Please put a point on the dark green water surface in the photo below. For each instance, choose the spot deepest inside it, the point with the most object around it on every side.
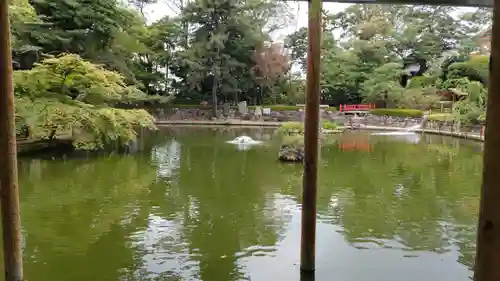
(191, 207)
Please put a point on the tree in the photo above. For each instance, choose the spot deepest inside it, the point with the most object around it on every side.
(340, 77)
(220, 50)
(80, 27)
(383, 86)
(151, 64)
(219, 59)
(67, 95)
(271, 63)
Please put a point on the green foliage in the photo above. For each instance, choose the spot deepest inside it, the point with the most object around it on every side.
(475, 69)
(291, 128)
(384, 84)
(441, 117)
(297, 128)
(365, 64)
(21, 13)
(70, 96)
(472, 108)
(423, 81)
(397, 112)
(295, 141)
(81, 27)
(330, 125)
(221, 50)
(419, 98)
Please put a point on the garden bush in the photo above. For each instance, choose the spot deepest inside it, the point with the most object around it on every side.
(330, 125)
(291, 128)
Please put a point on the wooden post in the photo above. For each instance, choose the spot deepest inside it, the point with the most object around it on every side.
(9, 197)
(488, 238)
(311, 139)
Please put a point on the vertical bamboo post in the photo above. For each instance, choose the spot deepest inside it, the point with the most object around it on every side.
(311, 141)
(9, 197)
(488, 237)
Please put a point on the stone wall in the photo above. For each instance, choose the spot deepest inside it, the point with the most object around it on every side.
(405, 122)
(188, 114)
(195, 114)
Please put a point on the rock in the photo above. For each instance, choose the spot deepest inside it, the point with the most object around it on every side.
(291, 154)
(246, 116)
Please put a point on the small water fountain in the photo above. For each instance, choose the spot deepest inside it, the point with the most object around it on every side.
(244, 142)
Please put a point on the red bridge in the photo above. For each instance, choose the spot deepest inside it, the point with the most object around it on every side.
(356, 107)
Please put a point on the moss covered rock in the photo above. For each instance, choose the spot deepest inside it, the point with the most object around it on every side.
(289, 153)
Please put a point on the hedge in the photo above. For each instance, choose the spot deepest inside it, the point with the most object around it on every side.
(441, 117)
(397, 112)
(272, 107)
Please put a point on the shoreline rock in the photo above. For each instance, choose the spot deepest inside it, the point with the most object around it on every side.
(289, 153)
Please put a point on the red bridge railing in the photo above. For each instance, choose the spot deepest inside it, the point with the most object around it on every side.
(355, 107)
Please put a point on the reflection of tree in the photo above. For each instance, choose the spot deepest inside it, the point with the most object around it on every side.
(226, 214)
(167, 158)
(215, 209)
(433, 181)
(413, 197)
(73, 214)
(111, 219)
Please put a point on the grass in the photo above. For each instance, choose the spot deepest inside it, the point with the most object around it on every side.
(290, 128)
(397, 112)
(441, 117)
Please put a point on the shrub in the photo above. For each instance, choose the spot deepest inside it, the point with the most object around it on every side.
(397, 112)
(330, 125)
(289, 128)
(293, 141)
(441, 117)
(69, 96)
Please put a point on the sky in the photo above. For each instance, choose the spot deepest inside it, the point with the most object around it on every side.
(298, 9)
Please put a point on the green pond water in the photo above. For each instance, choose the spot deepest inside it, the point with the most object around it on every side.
(190, 206)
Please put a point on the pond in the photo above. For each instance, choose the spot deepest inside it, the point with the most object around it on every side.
(189, 206)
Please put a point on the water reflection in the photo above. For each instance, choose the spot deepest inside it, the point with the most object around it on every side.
(194, 208)
(167, 157)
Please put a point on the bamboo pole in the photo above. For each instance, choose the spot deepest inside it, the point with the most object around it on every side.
(311, 142)
(9, 197)
(487, 266)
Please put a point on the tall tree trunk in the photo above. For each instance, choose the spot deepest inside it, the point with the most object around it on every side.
(214, 96)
